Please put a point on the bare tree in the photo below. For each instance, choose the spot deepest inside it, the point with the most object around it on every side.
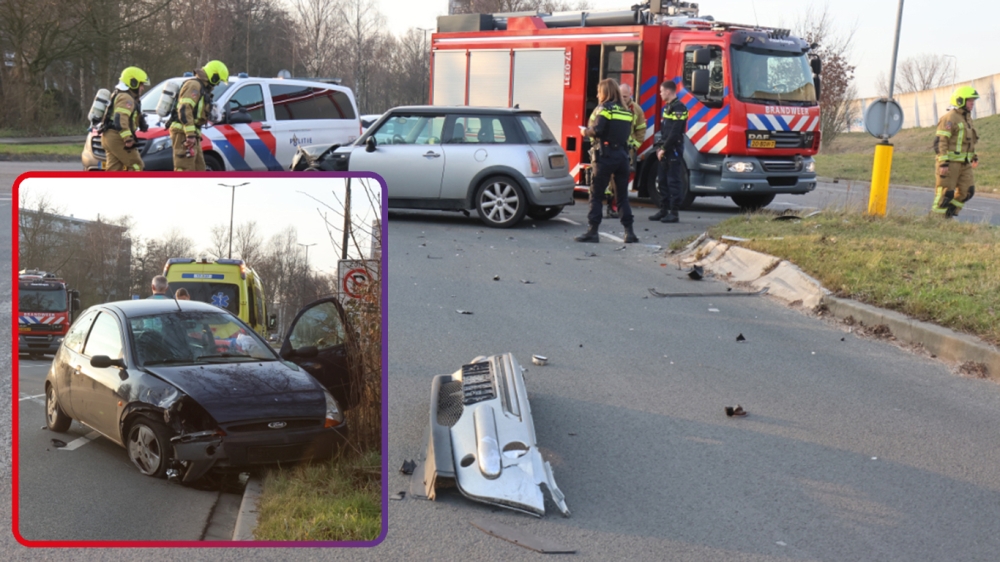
(248, 241)
(834, 50)
(320, 28)
(219, 242)
(922, 72)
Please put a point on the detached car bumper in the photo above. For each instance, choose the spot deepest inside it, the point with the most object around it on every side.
(204, 451)
(550, 192)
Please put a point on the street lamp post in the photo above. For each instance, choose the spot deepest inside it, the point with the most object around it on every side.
(306, 246)
(232, 205)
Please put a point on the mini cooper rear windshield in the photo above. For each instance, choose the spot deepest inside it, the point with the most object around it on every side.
(536, 129)
(179, 338)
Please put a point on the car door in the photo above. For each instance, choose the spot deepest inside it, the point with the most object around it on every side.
(407, 155)
(69, 360)
(473, 143)
(306, 114)
(95, 391)
(322, 324)
(246, 146)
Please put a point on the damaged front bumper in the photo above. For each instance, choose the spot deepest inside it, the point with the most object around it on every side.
(482, 436)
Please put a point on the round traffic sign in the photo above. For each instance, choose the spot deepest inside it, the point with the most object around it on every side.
(355, 282)
(875, 118)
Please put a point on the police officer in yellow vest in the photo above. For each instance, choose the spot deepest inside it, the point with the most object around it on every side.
(192, 113)
(122, 118)
(955, 146)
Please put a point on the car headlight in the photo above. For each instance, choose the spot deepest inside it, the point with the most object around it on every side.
(740, 167)
(334, 416)
(811, 166)
(159, 144)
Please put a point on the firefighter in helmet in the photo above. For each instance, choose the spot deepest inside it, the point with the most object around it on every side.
(122, 118)
(193, 107)
(955, 146)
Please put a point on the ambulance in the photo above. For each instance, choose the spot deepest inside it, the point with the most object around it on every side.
(751, 92)
(227, 283)
(257, 124)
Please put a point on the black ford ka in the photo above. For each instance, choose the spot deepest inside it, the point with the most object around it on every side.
(187, 387)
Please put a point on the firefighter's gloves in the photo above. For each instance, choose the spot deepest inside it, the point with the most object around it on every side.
(975, 161)
(143, 126)
(129, 143)
(943, 169)
(189, 142)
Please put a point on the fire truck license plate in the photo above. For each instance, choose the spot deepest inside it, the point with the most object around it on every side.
(762, 144)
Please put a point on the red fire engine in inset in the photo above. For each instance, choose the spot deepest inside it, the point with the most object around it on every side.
(45, 307)
(751, 92)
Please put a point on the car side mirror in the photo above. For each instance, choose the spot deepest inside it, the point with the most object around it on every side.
(817, 81)
(699, 82)
(272, 320)
(370, 144)
(238, 118)
(817, 66)
(702, 56)
(75, 304)
(103, 362)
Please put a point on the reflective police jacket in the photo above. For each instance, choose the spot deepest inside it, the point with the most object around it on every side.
(673, 126)
(613, 126)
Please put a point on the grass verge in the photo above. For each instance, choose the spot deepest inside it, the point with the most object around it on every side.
(851, 156)
(945, 272)
(25, 151)
(339, 500)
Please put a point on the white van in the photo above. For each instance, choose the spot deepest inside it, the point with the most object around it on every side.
(258, 123)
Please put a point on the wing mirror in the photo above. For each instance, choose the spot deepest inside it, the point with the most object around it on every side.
(817, 66)
(103, 362)
(699, 82)
(702, 56)
(370, 144)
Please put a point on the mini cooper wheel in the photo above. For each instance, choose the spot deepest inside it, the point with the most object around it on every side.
(55, 418)
(149, 447)
(500, 202)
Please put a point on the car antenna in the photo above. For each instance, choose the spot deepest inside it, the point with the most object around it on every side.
(177, 303)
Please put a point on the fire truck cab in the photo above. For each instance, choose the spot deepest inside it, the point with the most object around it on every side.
(751, 92)
(44, 312)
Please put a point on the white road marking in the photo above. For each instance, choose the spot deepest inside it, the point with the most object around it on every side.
(613, 237)
(35, 398)
(80, 441)
(571, 221)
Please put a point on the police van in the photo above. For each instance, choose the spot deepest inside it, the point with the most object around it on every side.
(227, 283)
(257, 124)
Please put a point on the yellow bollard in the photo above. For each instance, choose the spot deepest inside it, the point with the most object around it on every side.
(879, 193)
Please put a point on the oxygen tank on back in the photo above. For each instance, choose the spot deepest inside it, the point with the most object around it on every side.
(101, 101)
(166, 103)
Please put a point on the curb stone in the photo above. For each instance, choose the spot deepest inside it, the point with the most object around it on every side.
(246, 521)
(788, 283)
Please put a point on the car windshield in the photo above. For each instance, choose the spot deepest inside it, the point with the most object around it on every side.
(773, 77)
(222, 295)
(186, 338)
(409, 129)
(537, 131)
(41, 301)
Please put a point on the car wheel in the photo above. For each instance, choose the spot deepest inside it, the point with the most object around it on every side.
(649, 170)
(500, 202)
(750, 203)
(55, 418)
(149, 447)
(654, 192)
(544, 213)
(214, 164)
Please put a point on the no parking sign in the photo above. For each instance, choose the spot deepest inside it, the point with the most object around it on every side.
(355, 278)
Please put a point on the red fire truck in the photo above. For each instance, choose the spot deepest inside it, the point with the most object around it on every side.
(45, 306)
(751, 92)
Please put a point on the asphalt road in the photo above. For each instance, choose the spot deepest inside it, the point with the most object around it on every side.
(853, 450)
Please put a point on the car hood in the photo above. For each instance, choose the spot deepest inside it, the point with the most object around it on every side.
(247, 391)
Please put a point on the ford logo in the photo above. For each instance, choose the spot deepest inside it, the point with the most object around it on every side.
(276, 425)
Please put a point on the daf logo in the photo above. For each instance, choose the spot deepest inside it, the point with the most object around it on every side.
(758, 136)
(276, 425)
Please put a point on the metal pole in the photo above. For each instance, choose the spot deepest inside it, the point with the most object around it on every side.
(306, 246)
(347, 221)
(232, 206)
(892, 70)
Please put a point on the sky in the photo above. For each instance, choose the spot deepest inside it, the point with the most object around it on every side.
(875, 21)
(194, 206)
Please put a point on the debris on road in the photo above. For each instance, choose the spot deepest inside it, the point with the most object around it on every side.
(735, 239)
(974, 370)
(787, 218)
(539, 360)
(658, 294)
(430, 257)
(740, 338)
(398, 496)
(408, 467)
(482, 438)
(813, 214)
(520, 538)
(620, 249)
(464, 311)
(496, 277)
(737, 411)
(58, 444)
(527, 282)
(713, 310)
(696, 273)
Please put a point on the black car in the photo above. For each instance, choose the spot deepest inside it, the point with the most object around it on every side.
(187, 387)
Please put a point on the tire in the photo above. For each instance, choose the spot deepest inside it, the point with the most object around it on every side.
(749, 203)
(654, 193)
(55, 418)
(544, 213)
(649, 170)
(497, 215)
(148, 446)
(214, 164)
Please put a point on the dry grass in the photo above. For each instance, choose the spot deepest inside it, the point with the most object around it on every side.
(851, 156)
(946, 272)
